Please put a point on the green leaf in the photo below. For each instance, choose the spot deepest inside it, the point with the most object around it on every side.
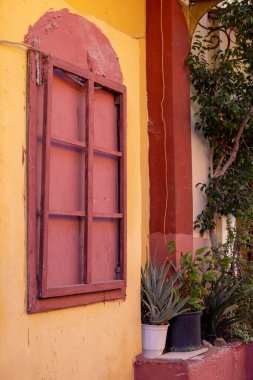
(194, 275)
(186, 259)
(224, 263)
(196, 304)
(199, 251)
(210, 275)
(205, 260)
(171, 246)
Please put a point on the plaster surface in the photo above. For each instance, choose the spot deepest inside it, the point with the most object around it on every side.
(65, 344)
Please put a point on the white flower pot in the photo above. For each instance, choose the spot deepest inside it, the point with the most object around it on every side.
(153, 340)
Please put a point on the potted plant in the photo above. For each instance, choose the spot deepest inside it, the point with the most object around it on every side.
(160, 302)
(228, 312)
(196, 273)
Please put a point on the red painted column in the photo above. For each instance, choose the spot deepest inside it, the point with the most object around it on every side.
(168, 78)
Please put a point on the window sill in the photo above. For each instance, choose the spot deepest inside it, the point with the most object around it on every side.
(40, 305)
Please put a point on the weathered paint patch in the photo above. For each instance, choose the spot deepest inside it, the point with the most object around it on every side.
(74, 39)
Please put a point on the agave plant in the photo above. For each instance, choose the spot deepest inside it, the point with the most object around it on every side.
(160, 299)
(221, 304)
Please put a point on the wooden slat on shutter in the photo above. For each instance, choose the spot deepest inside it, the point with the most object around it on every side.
(44, 207)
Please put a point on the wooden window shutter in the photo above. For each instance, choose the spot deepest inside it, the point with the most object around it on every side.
(76, 186)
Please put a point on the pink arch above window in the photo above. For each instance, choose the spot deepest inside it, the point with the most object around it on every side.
(73, 38)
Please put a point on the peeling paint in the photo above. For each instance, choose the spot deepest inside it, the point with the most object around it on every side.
(71, 37)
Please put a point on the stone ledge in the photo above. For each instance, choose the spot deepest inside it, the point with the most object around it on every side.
(173, 356)
(231, 362)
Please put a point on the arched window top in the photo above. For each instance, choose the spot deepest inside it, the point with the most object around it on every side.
(74, 39)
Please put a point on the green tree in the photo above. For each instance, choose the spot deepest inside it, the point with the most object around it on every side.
(223, 83)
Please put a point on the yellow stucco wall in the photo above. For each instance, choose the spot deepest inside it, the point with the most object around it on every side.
(95, 342)
(126, 16)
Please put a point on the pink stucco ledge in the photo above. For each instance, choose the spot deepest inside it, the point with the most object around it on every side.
(231, 362)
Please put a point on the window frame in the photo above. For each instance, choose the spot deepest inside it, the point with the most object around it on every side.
(40, 297)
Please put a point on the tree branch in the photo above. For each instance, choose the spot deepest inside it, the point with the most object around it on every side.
(213, 237)
(233, 154)
(211, 161)
(217, 172)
